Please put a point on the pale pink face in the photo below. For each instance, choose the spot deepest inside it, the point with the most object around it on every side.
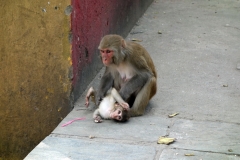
(106, 55)
(117, 115)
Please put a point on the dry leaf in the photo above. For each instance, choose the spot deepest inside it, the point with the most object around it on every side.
(136, 40)
(189, 154)
(159, 32)
(172, 115)
(225, 85)
(165, 140)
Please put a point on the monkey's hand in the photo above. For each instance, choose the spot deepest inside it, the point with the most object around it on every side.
(98, 119)
(86, 101)
(125, 105)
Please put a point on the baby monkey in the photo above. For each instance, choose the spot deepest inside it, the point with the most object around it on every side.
(112, 106)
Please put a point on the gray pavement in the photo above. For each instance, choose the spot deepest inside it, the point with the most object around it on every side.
(196, 56)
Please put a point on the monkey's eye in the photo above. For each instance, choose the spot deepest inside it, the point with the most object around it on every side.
(119, 117)
(108, 51)
(119, 112)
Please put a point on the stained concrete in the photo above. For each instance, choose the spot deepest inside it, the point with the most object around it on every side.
(34, 63)
(195, 47)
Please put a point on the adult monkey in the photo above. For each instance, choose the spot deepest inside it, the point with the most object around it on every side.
(129, 69)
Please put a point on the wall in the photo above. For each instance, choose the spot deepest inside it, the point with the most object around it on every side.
(40, 78)
(34, 64)
(91, 20)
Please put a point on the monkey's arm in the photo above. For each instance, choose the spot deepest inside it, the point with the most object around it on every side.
(96, 116)
(90, 93)
(119, 99)
(105, 84)
(134, 85)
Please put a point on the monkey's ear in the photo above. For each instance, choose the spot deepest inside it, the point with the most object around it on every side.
(124, 43)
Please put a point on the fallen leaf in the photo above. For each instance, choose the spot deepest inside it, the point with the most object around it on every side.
(172, 115)
(189, 154)
(159, 32)
(225, 85)
(230, 150)
(165, 140)
(136, 40)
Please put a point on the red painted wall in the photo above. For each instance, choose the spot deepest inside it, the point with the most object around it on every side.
(91, 20)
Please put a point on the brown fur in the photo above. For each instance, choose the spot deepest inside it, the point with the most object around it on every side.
(143, 85)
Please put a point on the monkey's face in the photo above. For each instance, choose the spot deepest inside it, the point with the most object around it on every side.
(107, 56)
(117, 114)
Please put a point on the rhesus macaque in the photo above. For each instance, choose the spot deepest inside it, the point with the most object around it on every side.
(108, 108)
(129, 69)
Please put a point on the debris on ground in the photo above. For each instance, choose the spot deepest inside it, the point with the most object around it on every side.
(91, 137)
(136, 40)
(225, 85)
(172, 115)
(165, 140)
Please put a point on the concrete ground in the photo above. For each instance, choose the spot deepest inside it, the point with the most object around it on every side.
(195, 46)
